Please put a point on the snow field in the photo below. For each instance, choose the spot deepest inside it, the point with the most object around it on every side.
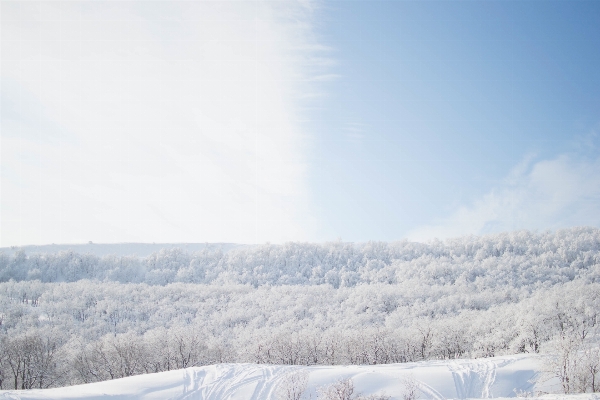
(456, 379)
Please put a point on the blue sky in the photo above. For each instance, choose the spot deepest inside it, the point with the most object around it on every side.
(438, 102)
(267, 122)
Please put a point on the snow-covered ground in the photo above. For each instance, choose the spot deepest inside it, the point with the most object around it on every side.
(457, 379)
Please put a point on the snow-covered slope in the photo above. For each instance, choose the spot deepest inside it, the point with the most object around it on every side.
(456, 379)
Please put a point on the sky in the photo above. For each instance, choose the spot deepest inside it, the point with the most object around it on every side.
(254, 122)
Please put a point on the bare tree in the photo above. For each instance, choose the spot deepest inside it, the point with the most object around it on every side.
(3, 354)
(111, 357)
(343, 389)
(563, 362)
(292, 386)
(31, 360)
(189, 348)
(374, 397)
(587, 369)
(411, 388)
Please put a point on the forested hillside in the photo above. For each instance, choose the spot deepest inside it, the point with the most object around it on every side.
(69, 318)
(512, 259)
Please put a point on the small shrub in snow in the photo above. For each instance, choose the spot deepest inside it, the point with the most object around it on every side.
(411, 388)
(522, 394)
(292, 386)
(374, 397)
(343, 389)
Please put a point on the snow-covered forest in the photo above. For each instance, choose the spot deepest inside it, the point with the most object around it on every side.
(70, 318)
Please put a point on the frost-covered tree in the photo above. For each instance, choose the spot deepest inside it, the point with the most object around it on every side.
(292, 386)
(343, 389)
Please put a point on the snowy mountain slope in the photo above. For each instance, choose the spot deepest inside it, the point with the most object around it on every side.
(477, 378)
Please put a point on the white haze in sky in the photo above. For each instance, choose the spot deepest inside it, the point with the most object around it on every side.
(543, 194)
(155, 121)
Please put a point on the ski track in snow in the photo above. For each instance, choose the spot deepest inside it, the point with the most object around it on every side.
(227, 380)
(489, 378)
(474, 379)
(430, 391)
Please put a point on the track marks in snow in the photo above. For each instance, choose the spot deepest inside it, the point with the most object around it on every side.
(9, 396)
(266, 387)
(473, 379)
(429, 391)
(192, 379)
(230, 381)
(489, 378)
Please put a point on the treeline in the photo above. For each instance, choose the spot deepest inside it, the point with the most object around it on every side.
(64, 344)
(519, 258)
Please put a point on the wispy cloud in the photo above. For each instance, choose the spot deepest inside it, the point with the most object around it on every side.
(355, 131)
(542, 194)
(325, 78)
(168, 121)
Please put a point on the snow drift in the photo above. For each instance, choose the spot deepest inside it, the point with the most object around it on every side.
(507, 376)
